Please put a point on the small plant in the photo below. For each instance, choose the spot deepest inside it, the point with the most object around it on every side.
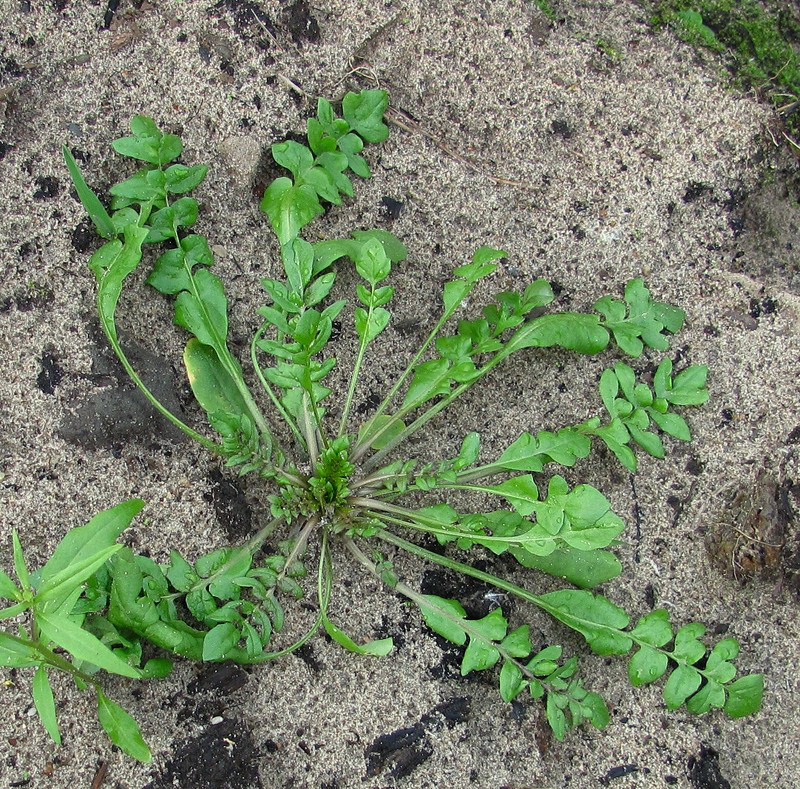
(341, 488)
(65, 600)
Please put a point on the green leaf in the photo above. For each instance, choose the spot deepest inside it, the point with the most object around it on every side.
(439, 613)
(139, 188)
(212, 385)
(682, 683)
(364, 112)
(370, 325)
(95, 209)
(16, 655)
(378, 648)
(689, 386)
(609, 389)
(325, 113)
(82, 644)
(293, 156)
(518, 642)
(121, 728)
(727, 649)
(646, 665)
(165, 222)
(672, 424)
(45, 703)
(744, 696)
(323, 183)
(543, 662)
(529, 453)
(481, 265)
(350, 145)
(597, 619)
(181, 179)
(8, 588)
(649, 442)
(318, 289)
(654, 628)
(19, 562)
(521, 492)
(58, 587)
(585, 569)
(556, 717)
(172, 270)
(145, 148)
(81, 542)
(394, 248)
(712, 694)
(289, 208)
(220, 640)
(687, 646)
(13, 610)
(615, 436)
(431, 378)
(484, 255)
(372, 262)
(397, 427)
(538, 294)
(480, 653)
(454, 293)
(200, 603)
(148, 143)
(511, 681)
(640, 321)
(206, 314)
(570, 330)
(298, 262)
(111, 268)
(157, 668)
(597, 709)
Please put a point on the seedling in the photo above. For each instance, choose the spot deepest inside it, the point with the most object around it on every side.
(342, 488)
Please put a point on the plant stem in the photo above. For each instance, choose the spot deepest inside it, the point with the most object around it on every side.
(367, 440)
(351, 390)
(311, 433)
(324, 579)
(318, 419)
(270, 391)
(162, 409)
(413, 520)
(422, 602)
(220, 345)
(56, 661)
(530, 597)
(265, 656)
(373, 479)
(422, 420)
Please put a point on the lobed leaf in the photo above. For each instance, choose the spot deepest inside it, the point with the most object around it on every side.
(639, 321)
(364, 113)
(289, 208)
(597, 619)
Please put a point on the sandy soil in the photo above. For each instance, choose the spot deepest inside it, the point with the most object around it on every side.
(641, 164)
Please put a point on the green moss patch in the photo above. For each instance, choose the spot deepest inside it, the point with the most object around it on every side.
(759, 40)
